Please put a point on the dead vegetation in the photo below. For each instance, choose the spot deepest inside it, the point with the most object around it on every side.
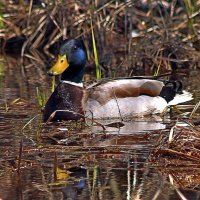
(180, 147)
(133, 37)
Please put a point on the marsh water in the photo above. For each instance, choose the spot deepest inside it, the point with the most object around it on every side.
(81, 160)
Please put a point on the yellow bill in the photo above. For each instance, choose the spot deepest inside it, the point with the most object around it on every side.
(60, 66)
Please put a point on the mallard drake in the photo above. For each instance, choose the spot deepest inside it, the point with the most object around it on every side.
(128, 97)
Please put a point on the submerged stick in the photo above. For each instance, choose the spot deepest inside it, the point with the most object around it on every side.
(194, 109)
(55, 166)
(83, 116)
(20, 157)
(117, 105)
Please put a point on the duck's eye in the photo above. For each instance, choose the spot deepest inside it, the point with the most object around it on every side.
(75, 48)
(62, 61)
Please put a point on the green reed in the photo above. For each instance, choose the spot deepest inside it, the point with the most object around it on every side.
(98, 70)
(191, 7)
(41, 97)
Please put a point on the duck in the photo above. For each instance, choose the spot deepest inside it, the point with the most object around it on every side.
(108, 98)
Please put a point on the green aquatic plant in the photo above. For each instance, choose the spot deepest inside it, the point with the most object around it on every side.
(1, 68)
(53, 84)
(98, 70)
(191, 6)
(1, 16)
(1, 21)
(41, 97)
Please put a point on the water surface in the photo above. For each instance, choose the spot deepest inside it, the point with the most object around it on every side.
(78, 161)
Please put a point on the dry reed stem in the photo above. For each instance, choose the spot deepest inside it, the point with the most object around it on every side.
(150, 50)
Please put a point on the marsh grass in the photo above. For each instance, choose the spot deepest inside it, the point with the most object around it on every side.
(181, 145)
(159, 44)
(53, 84)
(41, 97)
(195, 109)
(1, 21)
(191, 7)
(127, 40)
(118, 54)
(97, 67)
(1, 16)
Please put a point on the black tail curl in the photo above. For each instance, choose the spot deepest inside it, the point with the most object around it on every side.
(170, 90)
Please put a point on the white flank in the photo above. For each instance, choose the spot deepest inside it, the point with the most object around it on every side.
(72, 83)
(126, 107)
(181, 98)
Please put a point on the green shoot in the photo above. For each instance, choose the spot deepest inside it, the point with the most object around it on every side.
(1, 17)
(1, 22)
(41, 97)
(98, 70)
(191, 7)
(53, 84)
